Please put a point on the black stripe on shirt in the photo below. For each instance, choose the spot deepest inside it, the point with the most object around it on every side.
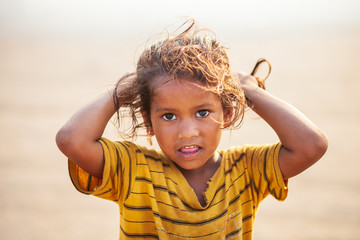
(252, 170)
(182, 222)
(147, 156)
(139, 235)
(88, 182)
(233, 234)
(277, 179)
(130, 170)
(235, 163)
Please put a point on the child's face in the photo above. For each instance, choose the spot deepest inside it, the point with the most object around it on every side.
(186, 121)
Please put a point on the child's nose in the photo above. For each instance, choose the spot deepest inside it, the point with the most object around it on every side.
(188, 128)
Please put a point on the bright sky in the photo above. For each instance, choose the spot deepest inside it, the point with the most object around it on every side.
(88, 16)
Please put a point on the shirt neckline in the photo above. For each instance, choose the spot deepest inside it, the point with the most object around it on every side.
(186, 192)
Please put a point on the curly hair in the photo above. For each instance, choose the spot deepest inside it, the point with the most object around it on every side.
(194, 54)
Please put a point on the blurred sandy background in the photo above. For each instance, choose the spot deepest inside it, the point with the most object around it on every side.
(57, 55)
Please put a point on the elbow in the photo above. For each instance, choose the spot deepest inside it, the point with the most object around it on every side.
(324, 144)
(64, 140)
(317, 148)
(321, 145)
(309, 153)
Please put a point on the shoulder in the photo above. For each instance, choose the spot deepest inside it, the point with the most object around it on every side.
(153, 157)
(249, 149)
(127, 149)
(249, 153)
(125, 146)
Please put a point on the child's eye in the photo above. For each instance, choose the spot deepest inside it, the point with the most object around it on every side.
(169, 117)
(202, 113)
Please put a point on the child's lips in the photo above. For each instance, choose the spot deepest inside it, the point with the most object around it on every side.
(189, 150)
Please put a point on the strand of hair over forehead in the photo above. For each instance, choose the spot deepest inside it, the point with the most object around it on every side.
(193, 53)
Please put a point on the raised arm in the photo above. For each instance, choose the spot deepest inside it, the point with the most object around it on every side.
(77, 139)
(303, 142)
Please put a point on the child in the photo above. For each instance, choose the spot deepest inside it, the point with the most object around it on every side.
(185, 93)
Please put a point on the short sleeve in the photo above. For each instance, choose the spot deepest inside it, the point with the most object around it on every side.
(117, 174)
(263, 166)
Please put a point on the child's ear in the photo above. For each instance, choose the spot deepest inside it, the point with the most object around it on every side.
(147, 122)
(228, 115)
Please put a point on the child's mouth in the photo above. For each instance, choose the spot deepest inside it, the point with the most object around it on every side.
(189, 150)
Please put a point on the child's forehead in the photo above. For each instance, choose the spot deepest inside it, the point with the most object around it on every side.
(160, 80)
(182, 95)
(166, 82)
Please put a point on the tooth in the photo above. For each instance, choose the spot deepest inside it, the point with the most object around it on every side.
(192, 146)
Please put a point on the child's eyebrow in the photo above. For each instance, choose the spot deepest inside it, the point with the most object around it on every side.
(164, 110)
(205, 105)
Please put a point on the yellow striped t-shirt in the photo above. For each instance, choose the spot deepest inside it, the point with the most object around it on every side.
(156, 201)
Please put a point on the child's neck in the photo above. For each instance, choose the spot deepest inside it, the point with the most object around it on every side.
(198, 178)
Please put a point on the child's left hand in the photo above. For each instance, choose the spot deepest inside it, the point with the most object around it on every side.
(247, 82)
(252, 80)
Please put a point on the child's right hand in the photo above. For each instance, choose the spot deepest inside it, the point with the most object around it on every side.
(124, 90)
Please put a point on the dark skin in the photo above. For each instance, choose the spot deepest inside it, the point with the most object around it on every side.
(196, 178)
(303, 143)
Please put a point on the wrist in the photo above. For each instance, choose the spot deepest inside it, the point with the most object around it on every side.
(250, 90)
(252, 95)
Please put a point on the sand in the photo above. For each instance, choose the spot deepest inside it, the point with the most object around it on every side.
(44, 79)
